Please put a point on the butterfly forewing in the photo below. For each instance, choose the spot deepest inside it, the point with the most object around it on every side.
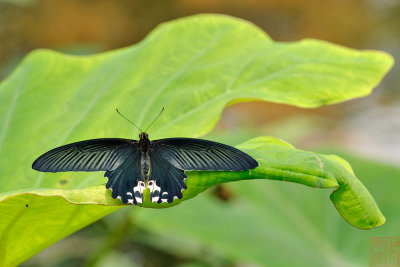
(196, 154)
(89, 155)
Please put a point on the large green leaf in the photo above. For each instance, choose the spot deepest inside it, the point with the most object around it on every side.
(277, 160)
(273, 224)
(194, 67)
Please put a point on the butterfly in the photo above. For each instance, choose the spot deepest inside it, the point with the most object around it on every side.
(131, 166)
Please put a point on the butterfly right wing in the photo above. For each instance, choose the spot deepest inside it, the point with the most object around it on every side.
(171, 157)
(202, 155)
(166, 182)
(90, 155)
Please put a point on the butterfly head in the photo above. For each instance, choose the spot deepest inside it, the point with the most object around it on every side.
(143, 136)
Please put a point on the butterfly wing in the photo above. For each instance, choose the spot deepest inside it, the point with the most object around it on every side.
(166, 181)
(171, 157)
(126, 182)
(118, 157)
(203, 155)
(89, 155)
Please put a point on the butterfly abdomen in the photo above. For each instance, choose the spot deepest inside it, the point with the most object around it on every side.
(144, 164)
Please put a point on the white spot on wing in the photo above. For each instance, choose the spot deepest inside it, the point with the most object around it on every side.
(164, 197)
(138, 190)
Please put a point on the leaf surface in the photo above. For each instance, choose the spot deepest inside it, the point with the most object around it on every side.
(267, 223)
(194, 67)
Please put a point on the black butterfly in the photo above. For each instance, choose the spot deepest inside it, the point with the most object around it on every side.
(132, 166)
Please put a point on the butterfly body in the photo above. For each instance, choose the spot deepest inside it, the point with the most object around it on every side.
(144, 147)
(133, 166)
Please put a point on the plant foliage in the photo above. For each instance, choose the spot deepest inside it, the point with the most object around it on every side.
(194, 67)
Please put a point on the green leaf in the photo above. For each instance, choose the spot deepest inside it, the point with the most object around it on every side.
(277, 160)
(30, 223)
(194, 67)
(351, 198)
(264, 218)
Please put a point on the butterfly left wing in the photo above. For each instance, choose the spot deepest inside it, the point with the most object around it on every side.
(126, 182)
(118, 157)
(89, 155)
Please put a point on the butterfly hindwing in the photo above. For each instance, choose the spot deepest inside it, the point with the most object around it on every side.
(89, 155)
(196, 154)
(166, 182)
(125, 182)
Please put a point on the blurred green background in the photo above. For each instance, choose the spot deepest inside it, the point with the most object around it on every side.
(257, 223)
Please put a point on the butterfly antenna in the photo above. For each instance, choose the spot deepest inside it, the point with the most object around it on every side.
(154, 120)
(128, 120)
